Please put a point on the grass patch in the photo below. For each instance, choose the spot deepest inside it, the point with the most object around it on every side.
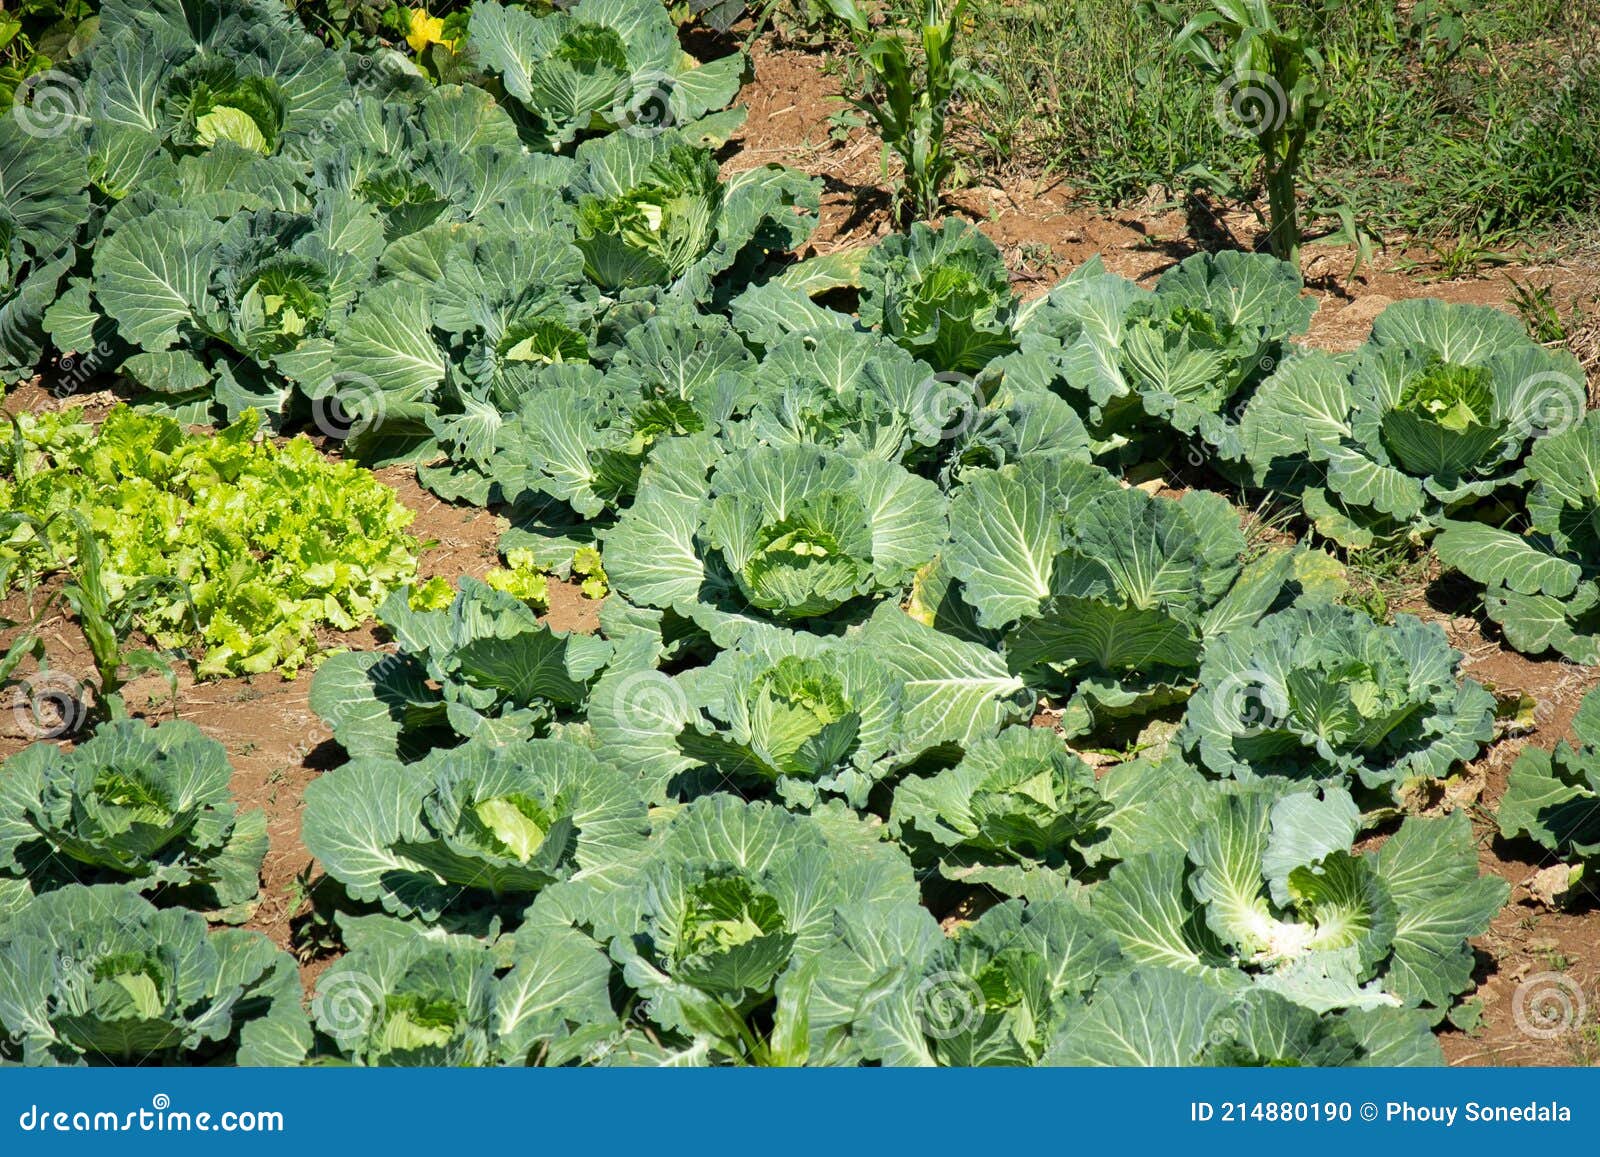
(1474, 121)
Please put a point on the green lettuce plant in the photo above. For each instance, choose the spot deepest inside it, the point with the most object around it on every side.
(243, 547)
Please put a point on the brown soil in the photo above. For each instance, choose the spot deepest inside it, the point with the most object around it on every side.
(278, 745)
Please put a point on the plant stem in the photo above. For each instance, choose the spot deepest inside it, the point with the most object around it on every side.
(1282, 211)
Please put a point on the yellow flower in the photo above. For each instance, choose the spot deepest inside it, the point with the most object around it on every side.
(424, 30)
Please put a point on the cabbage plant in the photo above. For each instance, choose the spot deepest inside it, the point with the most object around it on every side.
(1048, 983)
(1266, 891)
(1433, 415)
(1165, 1017)
(654, 217)
(1185, 357)
(97, 975)
(895, 990)
(600, 65)
(942, 294)
(1015, 814)
(1239, 929)
(789, 713)
(244, 75)
(582, 436)
(1322, 692)
(483, 665)
(404, 995)
(147, 806)
(1099, 590)
(793, 536)
(726, 924)
(481, 825)
(1553, 797)
(1542, 580)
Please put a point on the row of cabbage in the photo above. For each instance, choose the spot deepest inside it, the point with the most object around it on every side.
(546, 905)
(852, 554)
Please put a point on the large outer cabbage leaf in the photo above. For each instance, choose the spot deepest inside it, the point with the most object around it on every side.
(1553, 797)
(43, 200)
